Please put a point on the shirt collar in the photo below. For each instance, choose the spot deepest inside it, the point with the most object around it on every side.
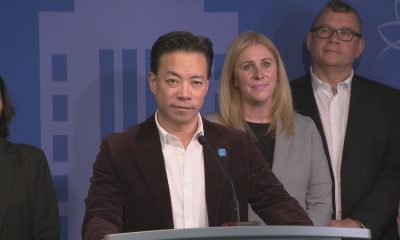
(166, 136)
(317, 83)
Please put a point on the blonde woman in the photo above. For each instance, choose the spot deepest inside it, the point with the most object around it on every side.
(255, 97)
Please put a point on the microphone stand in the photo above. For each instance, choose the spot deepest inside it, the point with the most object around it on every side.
(234, 201)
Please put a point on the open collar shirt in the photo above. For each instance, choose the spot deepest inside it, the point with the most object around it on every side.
(334, 110)
(186, 181)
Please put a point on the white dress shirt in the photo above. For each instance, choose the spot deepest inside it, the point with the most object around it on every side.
(185, 173)
(334, 111)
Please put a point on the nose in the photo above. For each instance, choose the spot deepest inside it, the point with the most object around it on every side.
(258, 73)
(184, 91)
(334, 37)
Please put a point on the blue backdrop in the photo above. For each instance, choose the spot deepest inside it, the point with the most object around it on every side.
(76, 70)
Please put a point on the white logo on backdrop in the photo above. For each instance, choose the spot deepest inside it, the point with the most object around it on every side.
(385, 30)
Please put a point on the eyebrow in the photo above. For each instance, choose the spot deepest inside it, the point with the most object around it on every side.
(262, 59)
(169, 72)
(343, 27)
(175, 74)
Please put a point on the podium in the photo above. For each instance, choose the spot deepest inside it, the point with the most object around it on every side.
(247, 233)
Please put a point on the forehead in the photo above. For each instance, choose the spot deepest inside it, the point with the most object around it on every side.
(338, 20)
(255, 51)
(181, 61)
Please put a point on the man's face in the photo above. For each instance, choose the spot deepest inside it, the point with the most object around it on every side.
(180, 87)
(333, 52)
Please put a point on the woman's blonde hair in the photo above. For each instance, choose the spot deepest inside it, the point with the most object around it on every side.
(230, 100)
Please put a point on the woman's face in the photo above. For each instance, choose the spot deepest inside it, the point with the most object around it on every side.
(256, 74)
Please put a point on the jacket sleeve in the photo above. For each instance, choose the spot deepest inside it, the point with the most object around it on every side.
(45, 219)
(104, 203)
(378, 208)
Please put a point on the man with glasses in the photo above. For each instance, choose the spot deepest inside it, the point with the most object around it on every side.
(359, 121)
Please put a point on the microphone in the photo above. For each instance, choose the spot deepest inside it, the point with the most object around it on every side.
(234, 202)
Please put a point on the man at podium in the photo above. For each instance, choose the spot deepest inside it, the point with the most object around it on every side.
(174, 169)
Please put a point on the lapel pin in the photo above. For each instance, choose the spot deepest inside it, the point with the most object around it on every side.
(222, 152)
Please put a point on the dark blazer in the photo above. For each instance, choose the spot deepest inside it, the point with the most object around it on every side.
(370, 172)
(28, 203)
(129, 188)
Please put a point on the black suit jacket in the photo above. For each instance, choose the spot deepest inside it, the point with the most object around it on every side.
(370, 172)
(28, 203)
(129, 188)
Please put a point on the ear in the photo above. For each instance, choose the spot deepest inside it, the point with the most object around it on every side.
(308, 40)
(360, 47)
(153, 82)
(207, 84)
(234, 83)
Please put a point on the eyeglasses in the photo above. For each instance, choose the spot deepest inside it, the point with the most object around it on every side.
(344, 34)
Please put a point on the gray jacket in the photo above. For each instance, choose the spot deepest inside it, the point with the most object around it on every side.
(301, 166)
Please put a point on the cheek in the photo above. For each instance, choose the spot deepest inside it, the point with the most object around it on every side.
(198, 98)
(242, 85)
(273, 88)
(163, 95)
(242, 79)
(315, 46)
(202, 93)
(272, 72)
(356, 51)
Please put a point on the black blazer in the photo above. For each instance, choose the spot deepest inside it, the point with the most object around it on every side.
(28, 203)
(370, 172)
(129, 188)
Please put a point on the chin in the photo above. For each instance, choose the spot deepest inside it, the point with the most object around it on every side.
(184, 118)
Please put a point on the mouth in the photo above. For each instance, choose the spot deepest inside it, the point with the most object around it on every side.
(332, 51)
(260, 86)
(182, 107)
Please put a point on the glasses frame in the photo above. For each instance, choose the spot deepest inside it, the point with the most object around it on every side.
(337, 31)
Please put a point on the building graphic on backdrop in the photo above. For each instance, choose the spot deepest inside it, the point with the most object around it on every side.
(93, 80)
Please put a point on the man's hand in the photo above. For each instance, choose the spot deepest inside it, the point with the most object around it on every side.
(347, 223)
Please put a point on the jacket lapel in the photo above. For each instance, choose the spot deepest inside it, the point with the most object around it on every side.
(153, 167)
(356, 114)
(308, 105)
(7, 173)
(214, 177)
(282, 144)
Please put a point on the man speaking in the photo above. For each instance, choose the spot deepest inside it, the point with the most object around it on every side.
(156, 175)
